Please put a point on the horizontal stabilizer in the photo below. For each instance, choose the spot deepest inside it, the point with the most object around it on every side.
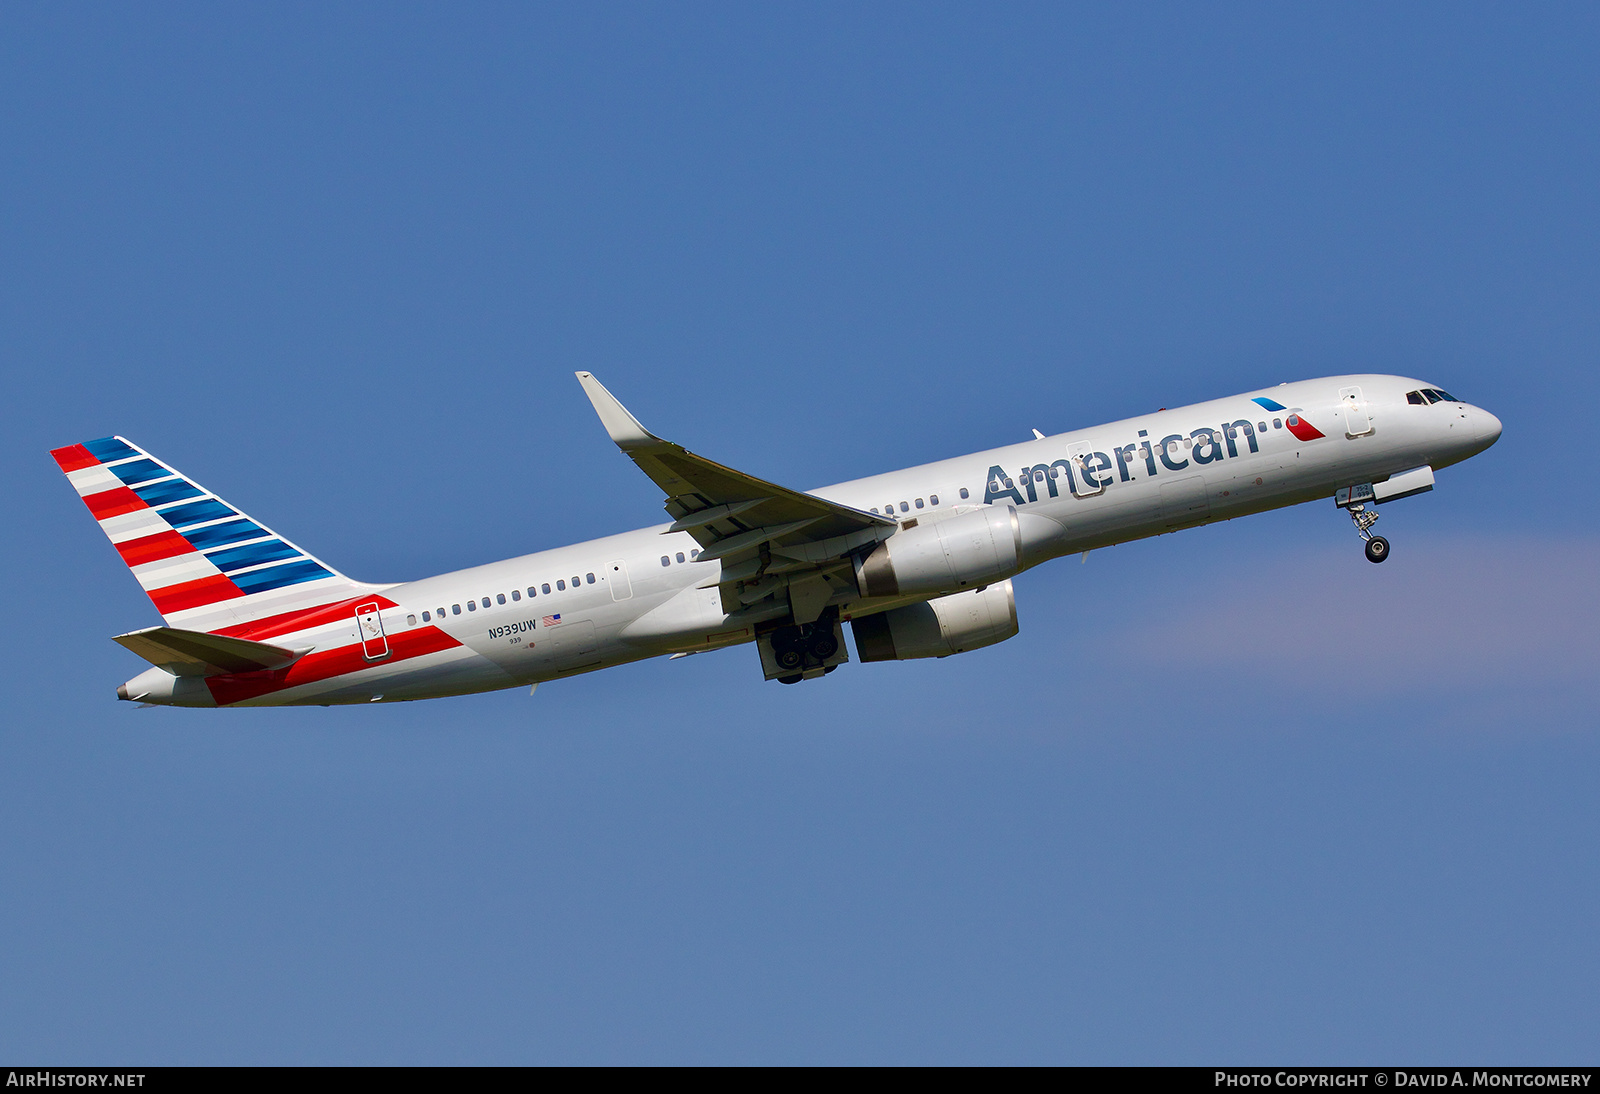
(195, 653)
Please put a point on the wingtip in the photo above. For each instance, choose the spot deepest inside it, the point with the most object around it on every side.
(623, 427)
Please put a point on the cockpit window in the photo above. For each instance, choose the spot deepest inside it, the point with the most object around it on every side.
(1415, 398)
(1433, 396)
(1445, 396)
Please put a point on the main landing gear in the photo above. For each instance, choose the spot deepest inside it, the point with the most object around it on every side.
(1377, 547)
(803, 652)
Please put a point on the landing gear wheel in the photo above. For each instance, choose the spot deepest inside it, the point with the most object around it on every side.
(795, 679)
(823, 645)
(1377, 549)
(788, 649)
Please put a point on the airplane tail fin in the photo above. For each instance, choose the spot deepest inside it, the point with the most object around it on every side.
(204, 564)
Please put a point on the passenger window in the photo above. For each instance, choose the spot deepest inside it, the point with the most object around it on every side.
(426, 616)
(456, 609)
(964, 494)
(1415, 398)
(904, 508)
(575, 581)
(919, 503)
(485, 602)
(411, 621)
(694, 554)
(680, 556)
(441, 613)
(516, 594)
(933, 499)
(533, 591)
(472, 605)
(1277, 423)
(562, 585)
(590, 578)
(499, 598)
(665, 561)
(1261, 427)
(545, 588)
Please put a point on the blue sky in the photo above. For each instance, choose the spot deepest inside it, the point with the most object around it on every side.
(1231, 795)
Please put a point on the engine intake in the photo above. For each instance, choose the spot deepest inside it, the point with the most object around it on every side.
(937, 628)
(961, 552)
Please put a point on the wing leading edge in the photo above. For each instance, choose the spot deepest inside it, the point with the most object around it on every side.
(770, 539)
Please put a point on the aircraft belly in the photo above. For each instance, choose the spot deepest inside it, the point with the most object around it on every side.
(1124, 511)
(546, 652)
(1252, 488)
(1185, 501)
(687, 621)
(456, 671)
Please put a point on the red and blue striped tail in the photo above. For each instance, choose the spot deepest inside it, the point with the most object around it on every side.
(206, 565)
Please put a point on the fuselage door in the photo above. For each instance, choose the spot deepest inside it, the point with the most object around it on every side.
(369, 624)
(1086, 480)
(617, 577)
(1356, 421)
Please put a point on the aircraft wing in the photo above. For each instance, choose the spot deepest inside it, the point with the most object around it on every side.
(769, 538)
(195, 653)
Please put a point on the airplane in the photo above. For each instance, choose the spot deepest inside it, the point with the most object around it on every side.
(919, 562)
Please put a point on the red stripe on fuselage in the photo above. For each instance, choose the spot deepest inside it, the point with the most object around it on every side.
(74, 457)
(113, 503)
(194, 594)
(301, 619)
(136, 552)
(326, 664)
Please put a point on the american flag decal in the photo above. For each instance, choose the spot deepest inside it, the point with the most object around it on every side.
(551, 620)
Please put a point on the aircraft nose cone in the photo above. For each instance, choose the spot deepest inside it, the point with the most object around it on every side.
(1488, 426)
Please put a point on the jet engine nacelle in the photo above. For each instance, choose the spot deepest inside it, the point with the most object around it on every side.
(960, 552)
(937, 628)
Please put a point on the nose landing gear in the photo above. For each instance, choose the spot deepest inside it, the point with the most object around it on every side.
(1377, 547)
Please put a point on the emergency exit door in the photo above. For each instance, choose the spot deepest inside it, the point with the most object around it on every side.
(617, 578)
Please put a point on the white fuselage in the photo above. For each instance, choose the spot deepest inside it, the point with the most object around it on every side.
(642, 594)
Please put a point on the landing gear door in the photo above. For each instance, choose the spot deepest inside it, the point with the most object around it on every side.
(1356, 421)
(1086, 482)
(369, 625)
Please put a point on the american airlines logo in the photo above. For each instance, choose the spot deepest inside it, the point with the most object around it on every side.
(1088, 473)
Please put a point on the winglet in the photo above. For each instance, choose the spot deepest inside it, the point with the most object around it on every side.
(623, 427)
